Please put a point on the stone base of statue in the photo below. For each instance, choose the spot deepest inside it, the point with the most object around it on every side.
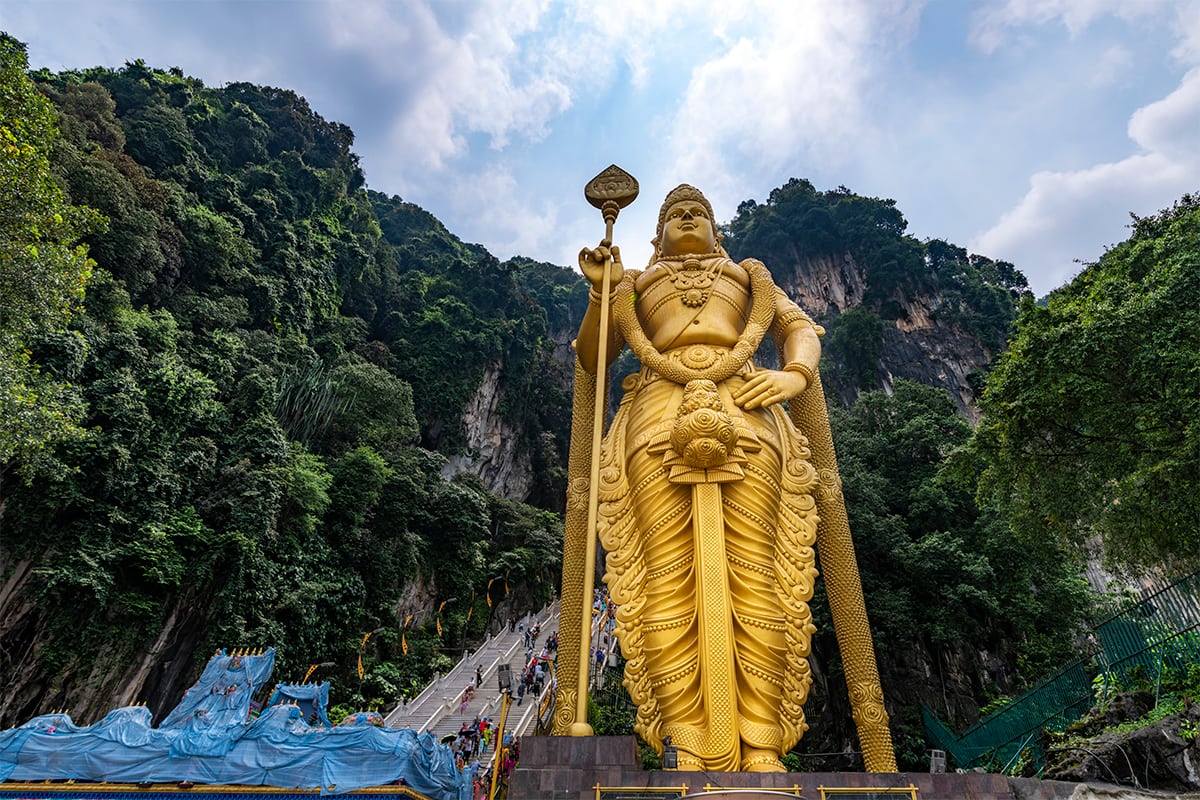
(606, 768)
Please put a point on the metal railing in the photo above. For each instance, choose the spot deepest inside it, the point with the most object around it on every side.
(1160, 632)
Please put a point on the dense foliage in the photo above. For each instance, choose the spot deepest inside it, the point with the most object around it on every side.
(270, 359)
(43, 270)
(1090, 429)
(798, 222)
(938, 572)
(273, 364)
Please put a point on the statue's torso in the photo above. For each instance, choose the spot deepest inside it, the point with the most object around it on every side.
(680, 306)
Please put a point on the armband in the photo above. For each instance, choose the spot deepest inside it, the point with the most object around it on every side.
(802, 369)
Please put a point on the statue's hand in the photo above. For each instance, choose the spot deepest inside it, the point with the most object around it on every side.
(592, 264)
(769, 386)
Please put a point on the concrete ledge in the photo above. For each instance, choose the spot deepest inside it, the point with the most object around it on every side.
(569, 768)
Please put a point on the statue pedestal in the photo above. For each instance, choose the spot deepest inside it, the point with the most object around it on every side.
(570, 768)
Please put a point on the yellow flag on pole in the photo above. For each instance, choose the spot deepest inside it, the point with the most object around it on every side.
(360, 669)
(439, 627)
(403, 644)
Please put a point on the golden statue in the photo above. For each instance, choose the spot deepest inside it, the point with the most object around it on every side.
(711, 496)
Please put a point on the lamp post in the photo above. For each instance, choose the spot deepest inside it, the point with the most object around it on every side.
(670, 756)
(504, 673)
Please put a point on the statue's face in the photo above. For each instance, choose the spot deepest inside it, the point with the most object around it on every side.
(687, 230)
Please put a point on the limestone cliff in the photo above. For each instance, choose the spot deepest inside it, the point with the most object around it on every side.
(493, 448)
(918, 345)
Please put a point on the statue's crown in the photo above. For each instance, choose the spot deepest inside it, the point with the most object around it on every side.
(683, 192)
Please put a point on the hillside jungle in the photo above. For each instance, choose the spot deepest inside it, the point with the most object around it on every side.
(233, 378)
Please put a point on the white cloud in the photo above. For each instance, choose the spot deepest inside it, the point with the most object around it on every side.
(1187, 29)
(1113, 66)
(791, 93)
(469, 75)
(511, 225)
(994, 24)
(1057, 221)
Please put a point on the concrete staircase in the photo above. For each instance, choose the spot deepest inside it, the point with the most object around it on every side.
(436, 708)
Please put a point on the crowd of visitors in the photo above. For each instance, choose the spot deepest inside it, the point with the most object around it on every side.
(474, 745)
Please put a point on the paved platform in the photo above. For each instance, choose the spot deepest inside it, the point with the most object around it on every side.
(586, 768)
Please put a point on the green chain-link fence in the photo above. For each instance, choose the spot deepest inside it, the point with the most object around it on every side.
(1161, 632)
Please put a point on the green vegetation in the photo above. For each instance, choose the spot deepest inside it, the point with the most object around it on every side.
(271, 368)
(43, 269)
(798, 223)
(1165, 696)
(935, 568)
(940, 576)
(240, 439)
(1090, 416)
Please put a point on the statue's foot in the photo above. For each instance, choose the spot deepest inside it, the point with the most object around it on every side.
(689, 762)
(761, 761)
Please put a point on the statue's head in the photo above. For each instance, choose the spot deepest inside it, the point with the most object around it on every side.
(686, 225)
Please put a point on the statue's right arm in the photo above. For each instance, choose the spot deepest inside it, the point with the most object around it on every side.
(593, 264)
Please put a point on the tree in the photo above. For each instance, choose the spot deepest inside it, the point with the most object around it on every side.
(42, 271)
(1090, 418)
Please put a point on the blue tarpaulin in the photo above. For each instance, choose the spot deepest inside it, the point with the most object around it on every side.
(310, 698)
(208, 738)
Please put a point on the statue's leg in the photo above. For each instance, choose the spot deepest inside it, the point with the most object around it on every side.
(759, 627)
(663, 514)
(670, 634)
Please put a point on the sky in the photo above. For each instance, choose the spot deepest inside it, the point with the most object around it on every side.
(1023, 130)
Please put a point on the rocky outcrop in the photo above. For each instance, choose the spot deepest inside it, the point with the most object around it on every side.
(916, 346)
(493, 449)
(1165, 755)
(824, 286)
(114, 676)
(936, 355)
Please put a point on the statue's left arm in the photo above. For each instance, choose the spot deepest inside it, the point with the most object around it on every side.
(799, 354)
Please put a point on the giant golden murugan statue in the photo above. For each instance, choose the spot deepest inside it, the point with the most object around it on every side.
(712, 495)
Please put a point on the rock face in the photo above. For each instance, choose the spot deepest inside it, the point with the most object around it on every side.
(1165, 755)
(917, 346)
(494, 449)
(825, 286)
(114, 677)
(930, 353)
